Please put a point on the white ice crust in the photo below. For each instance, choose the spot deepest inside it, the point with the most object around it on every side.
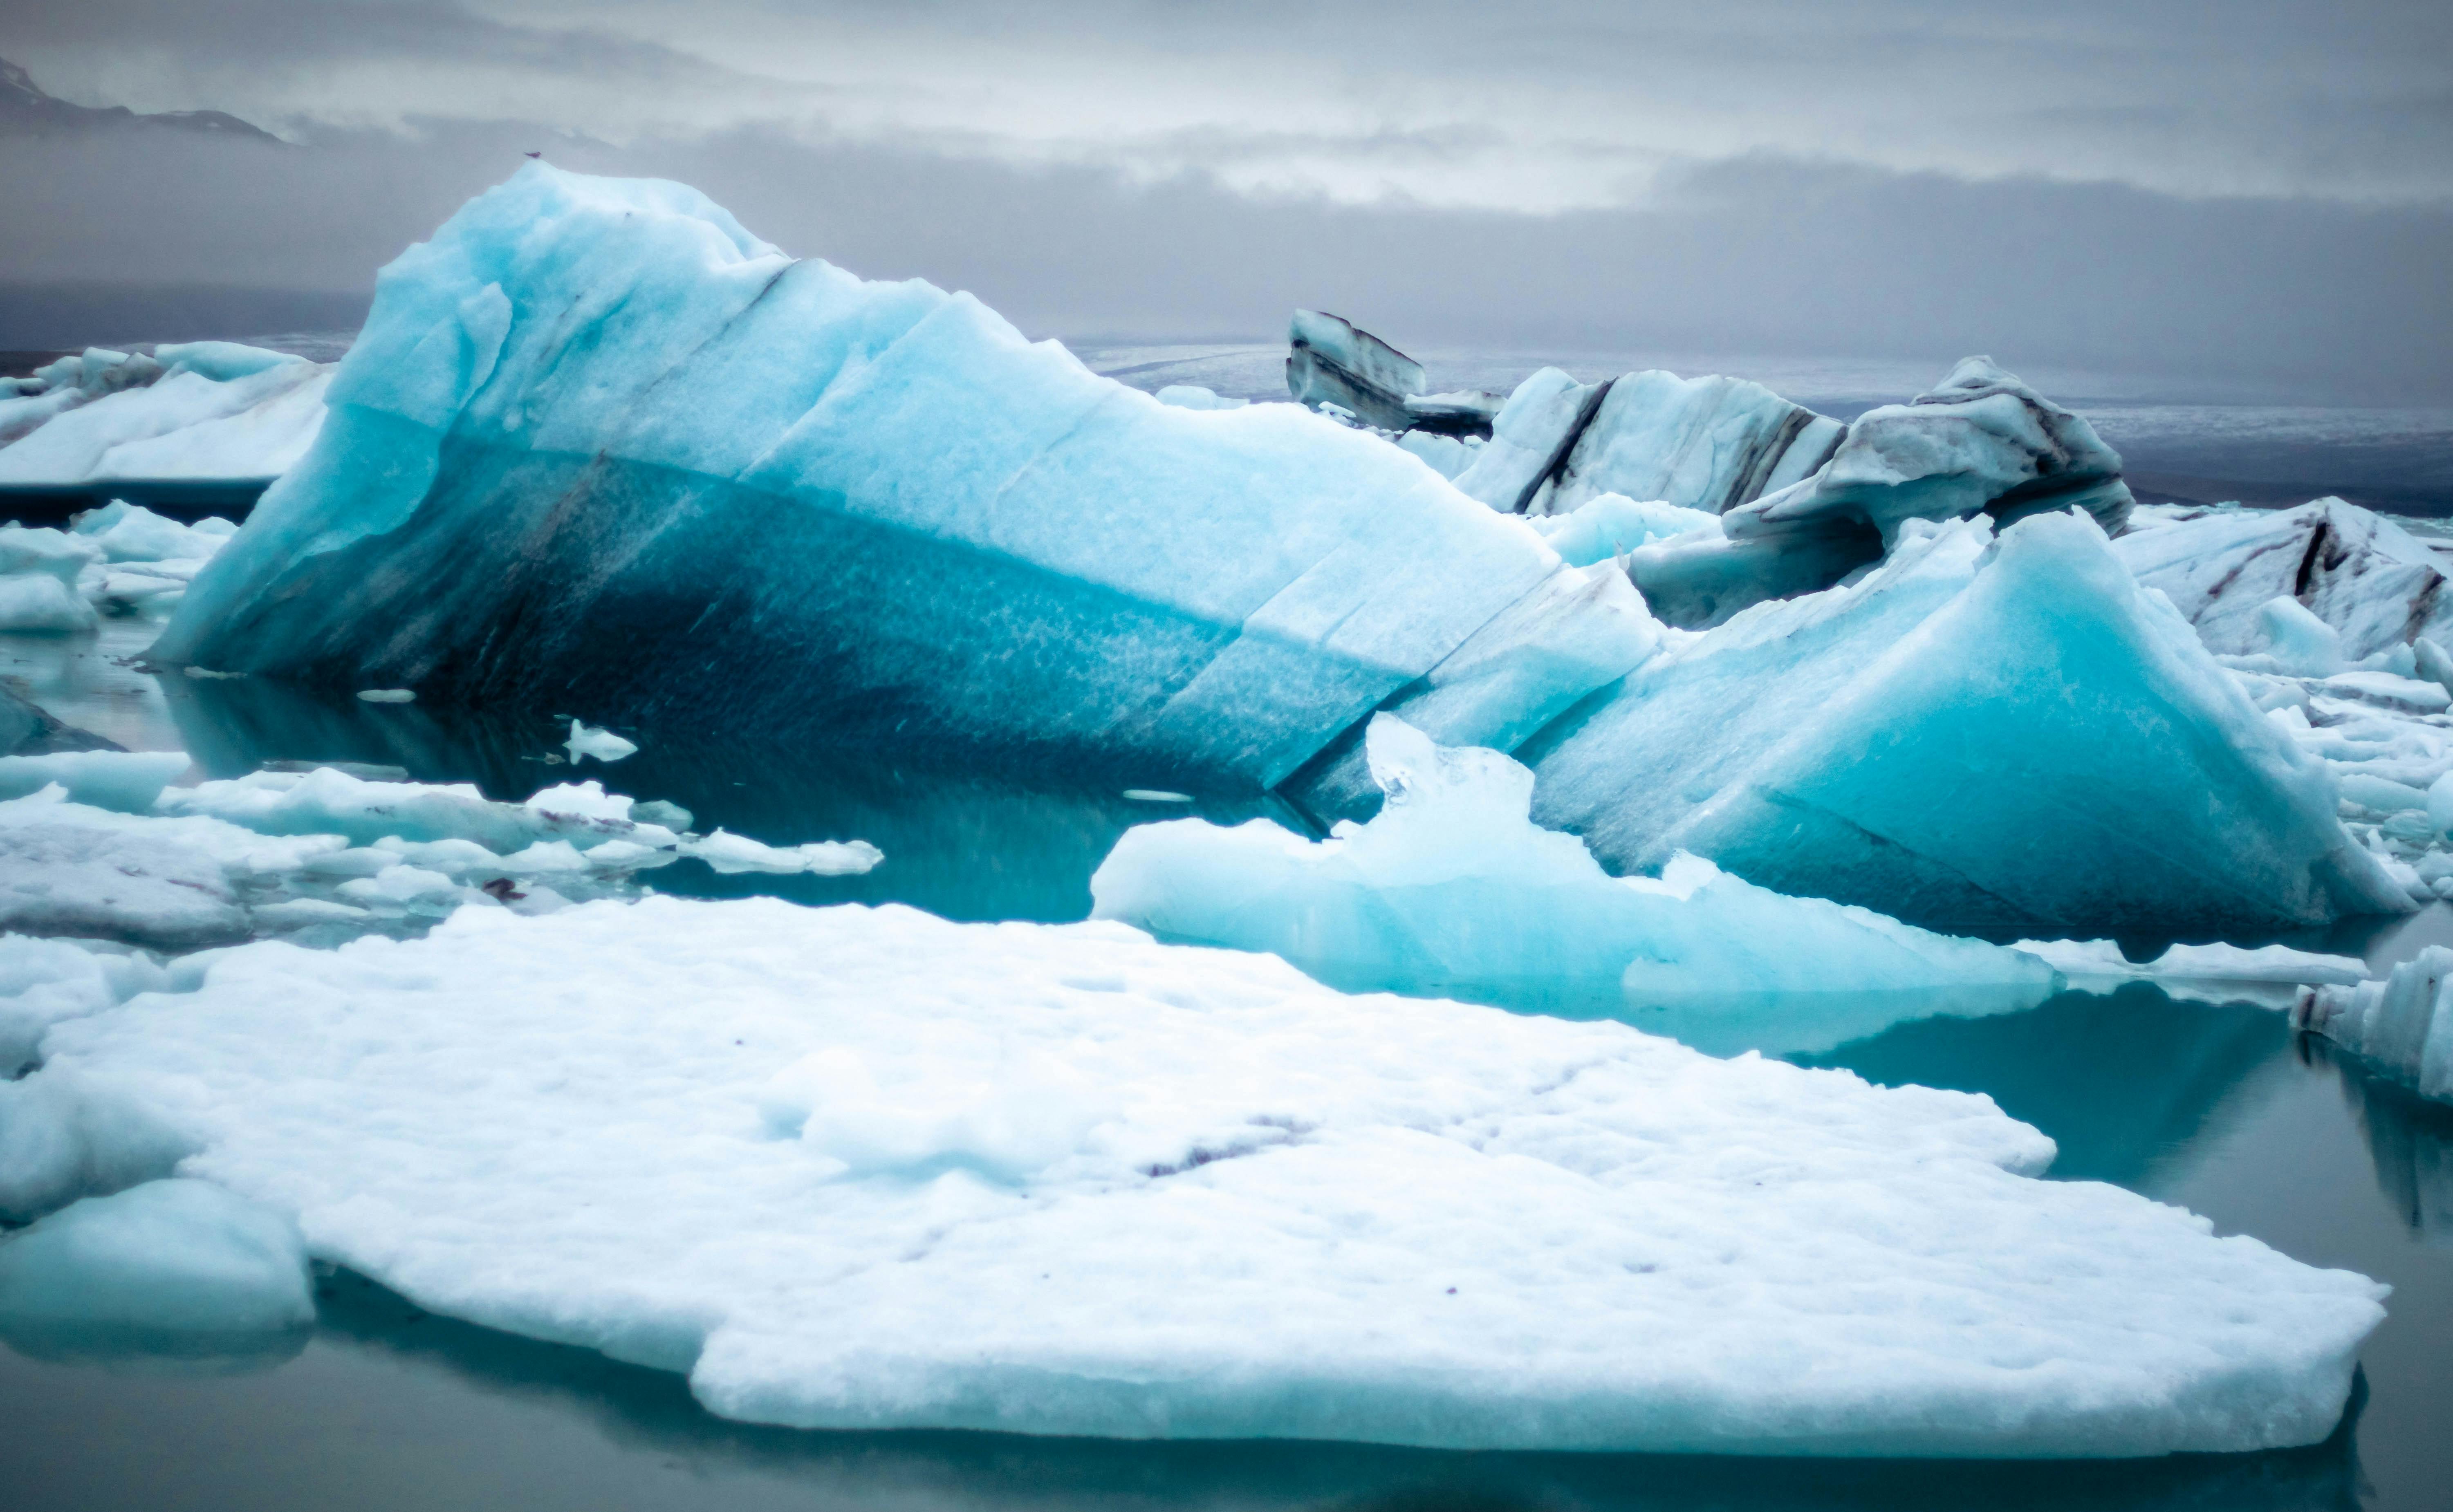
(866, 1168)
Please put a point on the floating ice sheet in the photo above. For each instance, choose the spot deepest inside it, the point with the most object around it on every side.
(893, 1171)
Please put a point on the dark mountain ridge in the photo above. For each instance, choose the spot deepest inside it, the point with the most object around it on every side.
(26, 110)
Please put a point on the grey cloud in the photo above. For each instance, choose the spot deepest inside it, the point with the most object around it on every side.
(1761, 254)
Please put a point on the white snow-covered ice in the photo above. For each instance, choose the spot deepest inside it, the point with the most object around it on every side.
(859, 1167)
(203, 411)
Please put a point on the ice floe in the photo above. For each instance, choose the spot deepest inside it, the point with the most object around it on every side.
(2219, 973)
(1452, 888)
(885, 1171)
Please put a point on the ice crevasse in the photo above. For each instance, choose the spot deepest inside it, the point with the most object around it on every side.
(894, 1171)
(600, 443)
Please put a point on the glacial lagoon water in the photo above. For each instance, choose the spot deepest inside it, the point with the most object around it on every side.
(2217, 1109)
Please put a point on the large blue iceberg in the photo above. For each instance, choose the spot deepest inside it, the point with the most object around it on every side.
(601, 446)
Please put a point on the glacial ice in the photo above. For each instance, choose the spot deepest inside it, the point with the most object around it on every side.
(891, 1171)
(1981, 733)
(62, 1141)
(2213, 973)
(1192, 396)
(2374, 583)
(173, 1257)
(1450, 889)
(1708, 444)
(120, 559)
(44, 981)
(1612, 525)
(64, 879)
(37, 603)
(957, 538)
(1331, 361)
(205, 412)
(2403, 1025)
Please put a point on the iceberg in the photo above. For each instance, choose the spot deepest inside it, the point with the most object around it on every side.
(2374, 584)
(1708, 444)
(956, 539)
(893, 1171)
(2401, 1025)
(2208, 973)
(1450, 889)
(1984, 733)
(202, 412)
(1983, 441)
(1329, 361)
(587, 740)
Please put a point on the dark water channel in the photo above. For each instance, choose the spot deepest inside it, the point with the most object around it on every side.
(2217, 1109)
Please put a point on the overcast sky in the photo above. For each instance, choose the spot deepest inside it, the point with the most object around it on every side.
(2237, 188)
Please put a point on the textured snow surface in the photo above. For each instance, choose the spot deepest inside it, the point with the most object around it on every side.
(2402, 1024)
(685, 461)
(178, 1257)
(2005, 733)
(865, 1168)
(1450, 888)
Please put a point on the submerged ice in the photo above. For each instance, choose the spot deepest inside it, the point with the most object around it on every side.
(891, 1171)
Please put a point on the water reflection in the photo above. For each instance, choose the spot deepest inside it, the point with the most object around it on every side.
(2409, 1138)
(962, 844)
(154, 1351)
(2120, 1081)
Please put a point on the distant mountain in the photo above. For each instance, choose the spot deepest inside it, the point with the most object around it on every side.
(25, 110)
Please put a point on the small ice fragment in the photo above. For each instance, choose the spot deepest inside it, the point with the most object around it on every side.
(1156, 795)
(200, 673)
(388, 695)
(174, 1255)
(729, 853)
(587, 740)
(657, 812)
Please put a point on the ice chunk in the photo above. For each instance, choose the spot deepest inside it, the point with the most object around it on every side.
(168, 1258)
(60, 1141)
(44, 981)
(2302, 644)
(1982, 440)
(27, 729)
(128, 532)
(1707, 444)
(587, 740)
(1331, 362)
(386, 695)
(2403, 1025)
(326, 802)
(1612, 525)
(1452, 889)
(42, 605)
(56, 552)
(1219, 593)
(67, 879)
(1981, 733)
(827, 858)
(1234, 1205)
(2214, 973)
(126, 781)
(236, 415)
(2376, 585)
(1192, 396)
(1458, 413)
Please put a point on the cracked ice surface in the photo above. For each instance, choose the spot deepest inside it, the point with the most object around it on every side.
(865, 1168)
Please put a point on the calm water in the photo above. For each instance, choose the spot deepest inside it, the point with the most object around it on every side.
(2217, 1108)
